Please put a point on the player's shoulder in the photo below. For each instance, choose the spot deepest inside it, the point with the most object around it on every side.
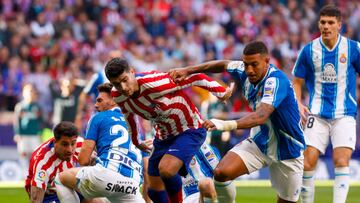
(277, 74)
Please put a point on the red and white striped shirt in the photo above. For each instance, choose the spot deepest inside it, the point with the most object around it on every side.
(165, 103)
(44, 165)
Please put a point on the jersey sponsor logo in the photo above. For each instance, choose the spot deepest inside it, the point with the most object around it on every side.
(268, 91)
(121, 188)
(125, 161)
(329, 74)
(210, 156)
(342, 58)
(41, 175)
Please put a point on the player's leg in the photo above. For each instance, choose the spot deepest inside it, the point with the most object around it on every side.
(317, 138)
(343, 146)
(177, 159)
(65, 183)
(286, 177)
(226, 191)
(156, 190)
(207, 190)
(146, 179)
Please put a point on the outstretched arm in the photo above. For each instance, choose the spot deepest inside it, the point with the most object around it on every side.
(259, 117)
(218, 66)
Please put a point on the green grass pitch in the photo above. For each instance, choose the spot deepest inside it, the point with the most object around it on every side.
(247, 192)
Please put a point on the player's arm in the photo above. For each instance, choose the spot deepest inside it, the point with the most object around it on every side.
(206, 82)
(217, 66)
(298, 83)
(36, 194)
(85, 156)
(134, 132)
(259, 117)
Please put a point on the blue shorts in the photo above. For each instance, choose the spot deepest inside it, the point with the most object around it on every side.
(183, 146)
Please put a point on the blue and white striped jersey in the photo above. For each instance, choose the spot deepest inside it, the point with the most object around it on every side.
(201, 165)
(281, 137)
(114, 147)
(96, 80)
(330, 76)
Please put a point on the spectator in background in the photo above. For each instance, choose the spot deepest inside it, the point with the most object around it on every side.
(27, 126)
(66, 99)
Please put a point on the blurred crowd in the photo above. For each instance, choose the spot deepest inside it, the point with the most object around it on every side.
(56, 45)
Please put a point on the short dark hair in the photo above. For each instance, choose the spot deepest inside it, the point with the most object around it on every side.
(255, 47)
(106, 87)
(116, 67)
(332, 11)
(65, 128)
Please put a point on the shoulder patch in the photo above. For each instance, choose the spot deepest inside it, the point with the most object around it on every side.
(41, 175)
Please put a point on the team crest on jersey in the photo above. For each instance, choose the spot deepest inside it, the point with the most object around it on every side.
(41, 175)
(342, 58)
(329, 74)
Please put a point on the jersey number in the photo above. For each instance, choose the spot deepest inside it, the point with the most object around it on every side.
(310, 123)
(123, 138)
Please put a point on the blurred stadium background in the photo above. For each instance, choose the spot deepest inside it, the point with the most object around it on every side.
(45, 42)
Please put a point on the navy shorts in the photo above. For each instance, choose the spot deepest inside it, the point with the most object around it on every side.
(183, 146)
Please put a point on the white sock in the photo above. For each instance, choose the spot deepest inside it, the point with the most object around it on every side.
(226, 191)
(64, 193)
(308, 188)
(210, 200)
(341, 185)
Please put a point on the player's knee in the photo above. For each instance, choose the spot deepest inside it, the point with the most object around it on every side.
(219, 175)
(341, 162)
(207, 188)
(309, 165)
(166, 171)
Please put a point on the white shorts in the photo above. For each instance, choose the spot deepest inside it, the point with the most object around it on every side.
(28, 143)
(97, 181)
(193, 198)
(285, 175)
(341, 131)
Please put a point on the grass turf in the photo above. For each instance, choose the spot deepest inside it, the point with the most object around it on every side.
(249, 192)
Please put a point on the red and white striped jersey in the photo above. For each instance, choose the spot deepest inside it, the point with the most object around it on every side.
(165, 104)
(44, 165)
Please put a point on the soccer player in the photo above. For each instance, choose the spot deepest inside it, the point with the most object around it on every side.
(118, 172)
(55, 155)
(328, 66)
(198, 185)
(276, 138)
(179, 135)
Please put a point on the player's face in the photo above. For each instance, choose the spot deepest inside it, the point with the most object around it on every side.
(256, 66)
(65, 147)
(126, 83)
(104, 102)
(329, 27)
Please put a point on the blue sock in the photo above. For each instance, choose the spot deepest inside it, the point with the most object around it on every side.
(173, 184)
(158, 196)
(173, 187)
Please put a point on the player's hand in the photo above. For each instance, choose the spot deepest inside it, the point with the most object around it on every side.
(208, 125)
(146, 146)
(93, 157)
(178, 74)
(304, 113)
(228, 92)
